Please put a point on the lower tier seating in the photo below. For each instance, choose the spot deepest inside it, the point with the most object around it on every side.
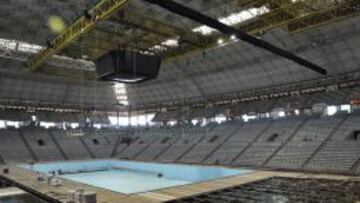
(336, 156)
(294, 154)
(71, 146)
(226, 153)
(257, 154)
(302, 143)
(152, 152)
(12, 148)
(198, 153)
(174, 152)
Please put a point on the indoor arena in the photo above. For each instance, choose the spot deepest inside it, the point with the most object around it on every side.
(180, 101)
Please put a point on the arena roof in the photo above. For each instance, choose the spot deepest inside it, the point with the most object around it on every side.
(199, 62)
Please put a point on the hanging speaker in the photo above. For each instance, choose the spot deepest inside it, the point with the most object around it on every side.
(127, 66)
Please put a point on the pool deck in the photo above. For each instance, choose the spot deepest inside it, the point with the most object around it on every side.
(27, 179)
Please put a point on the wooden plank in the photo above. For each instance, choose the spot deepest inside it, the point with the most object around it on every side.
(11, 191)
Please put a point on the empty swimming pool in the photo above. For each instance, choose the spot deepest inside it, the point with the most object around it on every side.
(131, 177)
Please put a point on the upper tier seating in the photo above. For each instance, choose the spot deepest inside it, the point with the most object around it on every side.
(257, 106)
(329, 98)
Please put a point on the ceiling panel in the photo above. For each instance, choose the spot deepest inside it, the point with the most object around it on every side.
(239, 66)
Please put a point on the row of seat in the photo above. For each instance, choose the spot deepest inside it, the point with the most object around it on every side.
(335, 97)
(56, 117)
(310, 143)
(291, 143)
(38, 144)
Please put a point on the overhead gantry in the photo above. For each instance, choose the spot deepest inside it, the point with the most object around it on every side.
(296, 15)
(84, 24)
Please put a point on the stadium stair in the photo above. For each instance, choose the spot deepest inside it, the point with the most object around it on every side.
(356, 167)
(252, 142)
(28, 147)
(87, 148)
(208, 130)
(286, 142)
(2, 161)
(143, 149)
(319, 148)
(58, 146)
(118, 140)
(187, 151)
(230, 135)
(164, 150)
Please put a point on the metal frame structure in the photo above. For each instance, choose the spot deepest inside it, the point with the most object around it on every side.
(295, 16)
(144, 32)
(101, 11)
(228, 30)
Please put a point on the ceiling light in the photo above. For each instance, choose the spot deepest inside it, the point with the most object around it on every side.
(220, 41)
(233, 19)
(129, 80)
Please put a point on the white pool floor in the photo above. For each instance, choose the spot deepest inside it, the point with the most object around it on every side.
(127, 182)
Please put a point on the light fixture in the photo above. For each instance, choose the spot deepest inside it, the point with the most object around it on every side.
(220, 41)
(129, 80)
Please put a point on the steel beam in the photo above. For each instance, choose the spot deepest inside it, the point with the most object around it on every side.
(159, 28)
(225, 29)
(296, 16)
(265, 22)
(57, 61)
(150, 32)
(99, 12)
(325, 15)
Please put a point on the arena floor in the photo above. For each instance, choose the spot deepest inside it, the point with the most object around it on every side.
(26, 179)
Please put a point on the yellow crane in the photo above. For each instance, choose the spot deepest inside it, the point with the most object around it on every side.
(99, 12)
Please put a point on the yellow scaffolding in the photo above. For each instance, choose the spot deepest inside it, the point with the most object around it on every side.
(100, 11)
(142, 33)
(334, 12)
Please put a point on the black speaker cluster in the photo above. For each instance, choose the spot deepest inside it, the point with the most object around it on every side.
(127, 66)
